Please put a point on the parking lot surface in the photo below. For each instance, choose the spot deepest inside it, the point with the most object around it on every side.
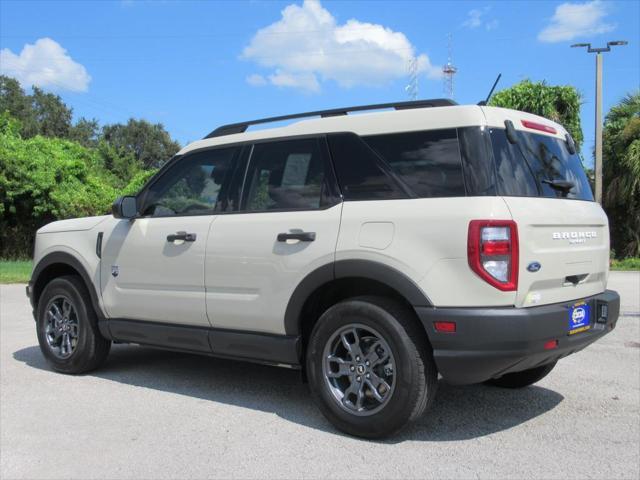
(155, 414)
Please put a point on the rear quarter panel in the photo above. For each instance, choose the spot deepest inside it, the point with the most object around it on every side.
(426, 239)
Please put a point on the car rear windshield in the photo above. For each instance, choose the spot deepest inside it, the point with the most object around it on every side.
(536, 165)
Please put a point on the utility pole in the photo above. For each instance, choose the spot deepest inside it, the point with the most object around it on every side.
(412, 86)
(449, 69)
(598, 159)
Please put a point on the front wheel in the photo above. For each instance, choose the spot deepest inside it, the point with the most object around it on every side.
(522, 379)
(370, 367)
(67, 327)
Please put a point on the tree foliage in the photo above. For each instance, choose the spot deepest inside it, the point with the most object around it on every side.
(150, 144)
(558, 103)
(44, 179)
(53, 169)
(621, 172)
(130, 147)
(39, 114)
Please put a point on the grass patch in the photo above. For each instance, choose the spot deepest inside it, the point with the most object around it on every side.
(15, 271)
(626, 264)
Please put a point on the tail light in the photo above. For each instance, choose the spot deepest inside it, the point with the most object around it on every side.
(539, 126)
(492, 250)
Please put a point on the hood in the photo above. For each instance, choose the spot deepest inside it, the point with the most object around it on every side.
(73, 224)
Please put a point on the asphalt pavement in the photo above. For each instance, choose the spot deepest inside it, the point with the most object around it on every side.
(155, 414)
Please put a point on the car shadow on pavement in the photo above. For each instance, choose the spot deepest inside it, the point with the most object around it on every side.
(458, 413)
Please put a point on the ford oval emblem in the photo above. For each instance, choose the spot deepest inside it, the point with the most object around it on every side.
(534, 267)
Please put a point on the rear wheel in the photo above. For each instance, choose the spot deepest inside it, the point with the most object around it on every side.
(522, 379)
(67, 327)
(370, 367)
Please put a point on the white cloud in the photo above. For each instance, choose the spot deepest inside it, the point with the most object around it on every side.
(307, 47)
(476, 18)
(491, 24)
(303, 81)
(572, 20)
(44, 64)
(256, 80)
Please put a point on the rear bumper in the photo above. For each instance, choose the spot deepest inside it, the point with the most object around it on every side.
(490, 342)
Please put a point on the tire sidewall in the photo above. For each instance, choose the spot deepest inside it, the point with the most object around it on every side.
(398, 409)
(85, 347)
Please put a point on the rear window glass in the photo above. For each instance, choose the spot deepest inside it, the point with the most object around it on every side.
(428, 162)
(526, 169)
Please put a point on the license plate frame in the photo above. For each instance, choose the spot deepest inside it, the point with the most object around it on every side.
(579, 317)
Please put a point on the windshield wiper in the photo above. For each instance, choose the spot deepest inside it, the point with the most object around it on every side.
(562, 185)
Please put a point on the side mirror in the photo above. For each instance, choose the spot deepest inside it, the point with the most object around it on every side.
(125, 207)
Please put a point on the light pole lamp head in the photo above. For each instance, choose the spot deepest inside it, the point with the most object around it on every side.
(588, 45)
(617, 42)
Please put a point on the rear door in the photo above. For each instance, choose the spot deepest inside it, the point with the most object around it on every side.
(563, 233)
(286, 227)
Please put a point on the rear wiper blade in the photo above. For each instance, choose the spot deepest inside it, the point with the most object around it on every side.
(562, 185)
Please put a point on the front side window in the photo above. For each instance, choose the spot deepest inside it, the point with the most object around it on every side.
(427, 161)
(193, 186)
(285, 175)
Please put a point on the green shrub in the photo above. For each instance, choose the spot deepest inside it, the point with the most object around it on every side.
(44, 179)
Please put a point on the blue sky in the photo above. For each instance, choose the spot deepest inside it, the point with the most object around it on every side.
(193, 65)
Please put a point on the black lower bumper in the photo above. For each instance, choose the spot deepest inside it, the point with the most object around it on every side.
(489, 342)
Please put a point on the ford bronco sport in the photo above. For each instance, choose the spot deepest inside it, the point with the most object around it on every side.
(374, 252)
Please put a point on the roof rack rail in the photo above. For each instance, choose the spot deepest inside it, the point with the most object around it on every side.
(242, 126)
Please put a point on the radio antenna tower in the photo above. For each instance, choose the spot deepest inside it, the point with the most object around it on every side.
(412, 87)
(449, 69)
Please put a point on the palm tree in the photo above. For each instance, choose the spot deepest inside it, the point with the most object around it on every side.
(621, 151)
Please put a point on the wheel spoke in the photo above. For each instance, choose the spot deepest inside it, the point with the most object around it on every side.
(352, 347)
(66, 309)
(377, 354)
(360, 396)
(343, 367)
(52, 332)
(356, 388)
(55, 313)
(375, 382)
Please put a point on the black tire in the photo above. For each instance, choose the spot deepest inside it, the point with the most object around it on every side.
(522, 379)
(416, 376)
(92, 348)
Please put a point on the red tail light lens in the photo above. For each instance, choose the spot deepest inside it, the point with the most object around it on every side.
(538, 126)
(492, 251)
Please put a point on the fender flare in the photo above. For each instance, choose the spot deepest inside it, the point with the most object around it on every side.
(64, 258)
(368, 269)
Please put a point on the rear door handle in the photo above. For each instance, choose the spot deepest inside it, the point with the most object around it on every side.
(187, 237)
(302, 236)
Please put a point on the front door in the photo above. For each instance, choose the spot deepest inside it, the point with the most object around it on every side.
(152, 267)
(286, 226)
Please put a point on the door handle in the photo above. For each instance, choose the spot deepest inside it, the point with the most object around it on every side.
(302, 236)
(187, 237)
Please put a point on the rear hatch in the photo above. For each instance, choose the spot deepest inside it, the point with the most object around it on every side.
(563, 234)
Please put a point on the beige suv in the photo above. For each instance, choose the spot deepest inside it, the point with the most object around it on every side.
(373, 251)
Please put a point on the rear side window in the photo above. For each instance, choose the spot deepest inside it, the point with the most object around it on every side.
(361, 173)
(528, 168)
(428, 162)
(285, 175)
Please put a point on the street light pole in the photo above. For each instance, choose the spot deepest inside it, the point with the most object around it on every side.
(598, 159)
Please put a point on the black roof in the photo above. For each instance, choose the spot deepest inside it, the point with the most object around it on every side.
(241, 127)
